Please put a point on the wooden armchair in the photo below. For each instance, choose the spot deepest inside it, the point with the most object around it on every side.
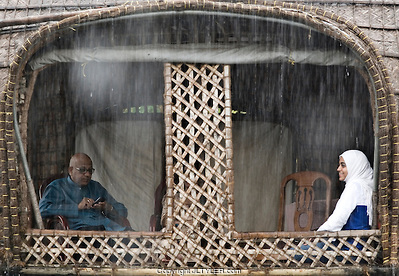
(304, 198)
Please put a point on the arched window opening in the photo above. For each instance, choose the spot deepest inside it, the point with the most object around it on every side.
(297, 102)
(166, 100)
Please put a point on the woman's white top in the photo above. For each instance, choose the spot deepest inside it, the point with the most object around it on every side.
(358, 191)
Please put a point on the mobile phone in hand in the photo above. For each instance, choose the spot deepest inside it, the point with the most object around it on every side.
(98, 200)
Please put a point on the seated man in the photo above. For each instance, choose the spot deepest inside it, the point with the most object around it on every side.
(74, 198)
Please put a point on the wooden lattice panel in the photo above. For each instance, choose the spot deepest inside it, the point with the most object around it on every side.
(94, 249)
(243, 251)
(199, 166)
(309, 249)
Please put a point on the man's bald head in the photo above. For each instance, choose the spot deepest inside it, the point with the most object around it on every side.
(77, 157)
(80, 168)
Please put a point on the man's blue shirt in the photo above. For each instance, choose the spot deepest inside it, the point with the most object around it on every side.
(62, 197)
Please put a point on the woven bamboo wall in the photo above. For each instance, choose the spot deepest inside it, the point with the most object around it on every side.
(378, 19)
(51, 133)
(363, 40)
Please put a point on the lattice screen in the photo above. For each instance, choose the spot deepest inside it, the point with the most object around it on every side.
(93, 248)
(243, 250)
(199, 152)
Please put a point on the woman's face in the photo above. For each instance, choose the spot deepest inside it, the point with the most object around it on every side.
(342, 169)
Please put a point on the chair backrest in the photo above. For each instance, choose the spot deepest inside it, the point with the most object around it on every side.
(304, 198)
(47, 181)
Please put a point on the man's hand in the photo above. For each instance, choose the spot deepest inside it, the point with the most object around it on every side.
(103, 206)
(86, 203)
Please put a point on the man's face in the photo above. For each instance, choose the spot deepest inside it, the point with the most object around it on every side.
(81, 171)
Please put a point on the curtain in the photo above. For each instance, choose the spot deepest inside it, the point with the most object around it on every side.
(127, 156)
(262, 157)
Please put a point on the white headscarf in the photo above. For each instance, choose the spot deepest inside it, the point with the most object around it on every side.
(360, 171)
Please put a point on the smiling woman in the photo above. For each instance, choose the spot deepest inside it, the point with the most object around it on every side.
(354, 210)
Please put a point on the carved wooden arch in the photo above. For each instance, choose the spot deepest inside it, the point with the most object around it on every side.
(326, 22)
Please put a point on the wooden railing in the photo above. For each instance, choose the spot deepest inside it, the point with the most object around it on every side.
(54, 248)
